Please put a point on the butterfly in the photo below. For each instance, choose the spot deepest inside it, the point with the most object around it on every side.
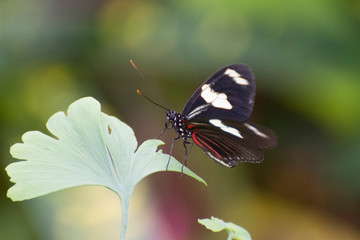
(216, 118)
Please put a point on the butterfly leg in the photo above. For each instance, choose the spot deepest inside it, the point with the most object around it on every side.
(186, 154)
(171, 149)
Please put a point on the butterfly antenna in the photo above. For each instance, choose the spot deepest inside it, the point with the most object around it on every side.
(141, 94)
(148, 83)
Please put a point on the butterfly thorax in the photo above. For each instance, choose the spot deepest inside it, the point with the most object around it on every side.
(176, 120)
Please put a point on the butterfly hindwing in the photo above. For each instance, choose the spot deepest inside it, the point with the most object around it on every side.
(229, 93)
(228, 142)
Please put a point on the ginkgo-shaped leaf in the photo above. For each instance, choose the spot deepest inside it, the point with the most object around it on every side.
(89, 147)
(217, 225)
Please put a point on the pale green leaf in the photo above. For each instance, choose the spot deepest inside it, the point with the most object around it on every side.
(88, 148)
(216, 225)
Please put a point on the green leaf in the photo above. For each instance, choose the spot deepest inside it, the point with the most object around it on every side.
(216, 225)
(89, 148)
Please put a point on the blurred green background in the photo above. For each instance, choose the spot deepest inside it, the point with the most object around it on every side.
(305, 55)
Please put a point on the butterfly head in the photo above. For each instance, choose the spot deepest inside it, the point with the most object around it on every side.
(176, 120)
(172, 119)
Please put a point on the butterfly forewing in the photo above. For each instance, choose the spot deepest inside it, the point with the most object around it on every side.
(228, 142)
(228, 93)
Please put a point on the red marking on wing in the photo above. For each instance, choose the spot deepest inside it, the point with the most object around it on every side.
(196, 140)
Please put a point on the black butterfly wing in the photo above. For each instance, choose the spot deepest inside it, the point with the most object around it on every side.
(228, 93)
(229, 142)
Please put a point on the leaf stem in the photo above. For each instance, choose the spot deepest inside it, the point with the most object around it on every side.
(125, 202)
